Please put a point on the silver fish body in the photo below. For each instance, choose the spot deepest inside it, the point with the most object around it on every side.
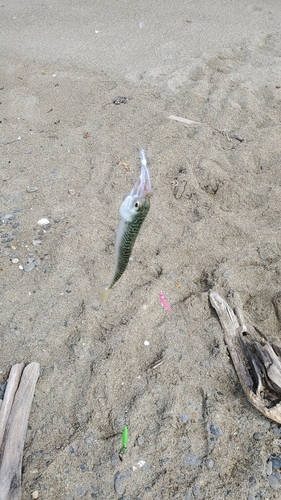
(133, 212)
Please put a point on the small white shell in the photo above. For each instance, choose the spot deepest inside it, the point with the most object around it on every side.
(43, 222)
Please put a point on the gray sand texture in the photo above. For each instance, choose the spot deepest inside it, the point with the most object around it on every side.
(69, 153)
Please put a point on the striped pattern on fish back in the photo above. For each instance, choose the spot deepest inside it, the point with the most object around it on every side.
(127, 242)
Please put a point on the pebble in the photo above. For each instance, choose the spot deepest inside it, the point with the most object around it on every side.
(81, 492)
(209, 463)
(196, 491)
(83, 467)
(119, 483)
(192, 460)
(90, 439)
(216, 431)
(184, 418)
(13, 326)
(35, 494)
(269, 468)
(31, 189)
(276, 430)
(36, 242)
(275, 461)
(29, 266)
(146, 342)
(273, 481)
(10, 216)
(140, 441)
(257, 436)
(15, 261)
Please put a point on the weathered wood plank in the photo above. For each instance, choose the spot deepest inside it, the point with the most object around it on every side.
(14, 434)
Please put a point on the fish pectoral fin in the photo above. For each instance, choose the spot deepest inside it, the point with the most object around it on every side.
(104, 291)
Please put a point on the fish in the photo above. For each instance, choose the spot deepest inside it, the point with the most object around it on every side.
(133, 211)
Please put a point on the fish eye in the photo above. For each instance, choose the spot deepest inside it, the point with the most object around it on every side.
(137, 205)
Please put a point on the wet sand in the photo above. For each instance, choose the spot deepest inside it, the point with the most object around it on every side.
(70, 152)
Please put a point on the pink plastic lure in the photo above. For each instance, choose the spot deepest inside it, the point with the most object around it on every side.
(164, 303)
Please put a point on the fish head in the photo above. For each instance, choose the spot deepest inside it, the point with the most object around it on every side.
(135, 205)
(139, 198)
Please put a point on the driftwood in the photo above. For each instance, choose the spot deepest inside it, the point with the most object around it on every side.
(14, 415)
(257, 364)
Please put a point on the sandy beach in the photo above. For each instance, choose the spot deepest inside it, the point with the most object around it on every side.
(83, 86)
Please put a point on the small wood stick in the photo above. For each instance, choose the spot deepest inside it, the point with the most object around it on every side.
(12, 386)
(11, 450)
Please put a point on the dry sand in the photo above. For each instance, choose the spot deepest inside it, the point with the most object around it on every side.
(214, 223)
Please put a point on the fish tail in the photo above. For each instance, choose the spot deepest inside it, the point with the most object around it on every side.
(104, 291)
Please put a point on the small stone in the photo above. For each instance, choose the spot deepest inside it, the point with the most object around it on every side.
(36, 242)
(35, 494)
(275, 461)
(273, 481)
(71, 191)
(192, 460)
(140, 441)
(257, 436)
(276, 430)
(13, 326)
(75, 304)
(29, 267)
(196, 491)
(216, 431)
(83, 467)
(119, 484)
(31, 189)
(146, 342)
(209, 463)
(15, 261)
(10, 216)
(71, 449)
(90, 439)
(184, 418)
(81, 492)
(269, 468)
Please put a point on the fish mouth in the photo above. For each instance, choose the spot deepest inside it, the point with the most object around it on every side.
(143, 185)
